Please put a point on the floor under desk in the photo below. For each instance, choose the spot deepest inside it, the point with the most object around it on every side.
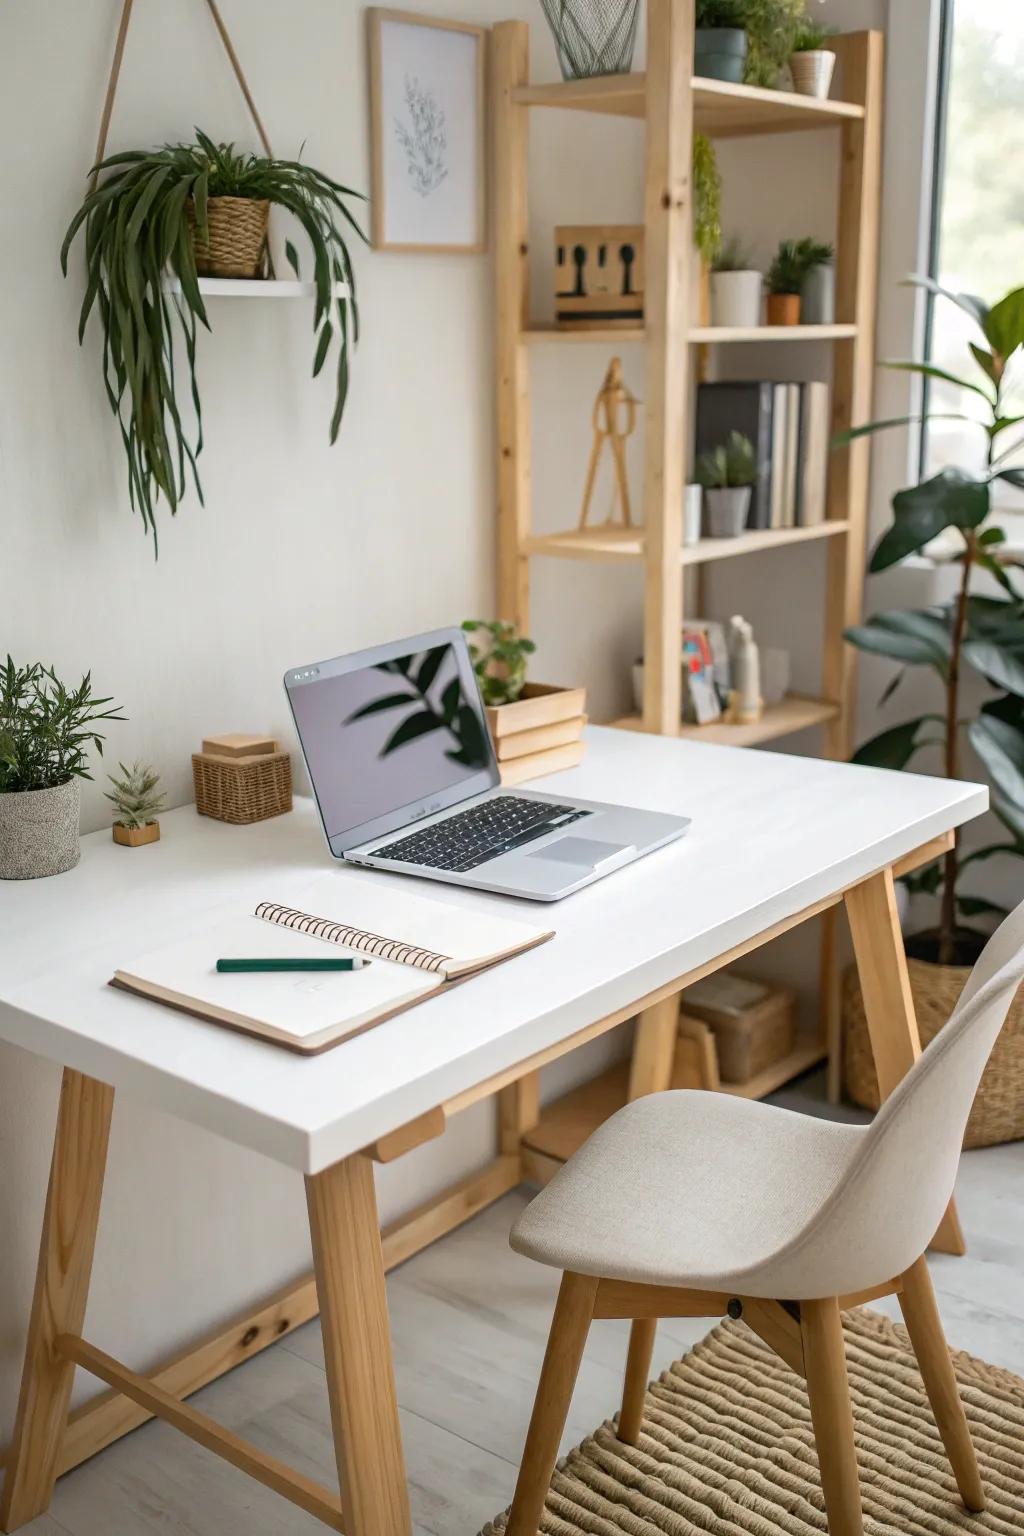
(470, 1321)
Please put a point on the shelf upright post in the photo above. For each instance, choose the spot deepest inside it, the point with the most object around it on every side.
(668, 218)
(510, 54)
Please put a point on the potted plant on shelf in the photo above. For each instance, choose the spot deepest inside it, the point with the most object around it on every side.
(811, 64)
(536, 728)
(818, 293)
(154, 221)
(720, 40)
(984, 634)
(736, 287)
(46, 731)
(727, 474)
(138, 802)
(772, 27)
(707, 219)
(785, 280)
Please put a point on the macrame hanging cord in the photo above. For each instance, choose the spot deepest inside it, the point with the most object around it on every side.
(115, 73)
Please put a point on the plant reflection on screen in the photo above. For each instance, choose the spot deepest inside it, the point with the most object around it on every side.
(447, 712)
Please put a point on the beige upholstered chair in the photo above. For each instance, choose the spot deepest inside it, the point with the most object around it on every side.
(696, 1204)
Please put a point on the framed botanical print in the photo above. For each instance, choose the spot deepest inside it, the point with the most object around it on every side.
(427, 133)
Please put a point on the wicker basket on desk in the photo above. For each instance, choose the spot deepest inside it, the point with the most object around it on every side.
(241, 779)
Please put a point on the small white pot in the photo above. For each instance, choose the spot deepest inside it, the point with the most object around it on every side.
(728, 507)
(812, 72)
(39, 832)
(693, 501)
(736, 299)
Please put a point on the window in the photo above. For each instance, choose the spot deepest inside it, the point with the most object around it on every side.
(977, 239)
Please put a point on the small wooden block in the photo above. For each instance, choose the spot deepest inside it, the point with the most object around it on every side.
(538, 704)
(235, 744)
(136, 837)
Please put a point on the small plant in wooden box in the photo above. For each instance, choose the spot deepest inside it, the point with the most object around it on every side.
(536, 728)
(138, 802)
(241, 779)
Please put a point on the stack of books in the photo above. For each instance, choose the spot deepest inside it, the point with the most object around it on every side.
(789, 426)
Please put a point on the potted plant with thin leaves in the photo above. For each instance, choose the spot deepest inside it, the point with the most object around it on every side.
(736, 287)
(785, 280)
(46, 731)
(153, 221)
(138, 801)
(772, 26)
(811, 64)
(727, 474)
(536, 727)
(720, 40)
(974, 632)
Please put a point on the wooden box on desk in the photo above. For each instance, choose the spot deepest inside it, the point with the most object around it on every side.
(241, 779)
(753, 1021)
(542, 732)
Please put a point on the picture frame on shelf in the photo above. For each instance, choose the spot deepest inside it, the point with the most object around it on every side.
(427, 133)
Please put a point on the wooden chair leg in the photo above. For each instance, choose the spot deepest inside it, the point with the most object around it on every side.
(921, 1315)
(638, 1371)
(569, 1328)
(62, 1288)
(828, 1388)
(349, 1268)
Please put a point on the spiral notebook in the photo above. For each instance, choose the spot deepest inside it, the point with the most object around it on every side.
(416, 948)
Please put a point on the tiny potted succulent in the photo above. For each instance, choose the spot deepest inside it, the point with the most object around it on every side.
(736, 286)
(785, 281)
(46, 731)
(818, 294)
(812, 64)
(138, 802)
(527, 721)
(727, 474)
(720, 40)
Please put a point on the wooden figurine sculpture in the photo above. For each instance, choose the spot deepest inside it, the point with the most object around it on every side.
(614, 420)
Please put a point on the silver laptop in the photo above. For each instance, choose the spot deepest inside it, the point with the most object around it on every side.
(404, 773)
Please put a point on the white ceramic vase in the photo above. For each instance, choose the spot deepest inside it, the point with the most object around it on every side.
(736, 299)
(39, 832)
(693, 501)
(812, 72)
(728, 507)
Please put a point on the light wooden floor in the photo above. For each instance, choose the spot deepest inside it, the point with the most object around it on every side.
(470, 1319)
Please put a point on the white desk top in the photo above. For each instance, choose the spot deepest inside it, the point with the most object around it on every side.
(771, 835)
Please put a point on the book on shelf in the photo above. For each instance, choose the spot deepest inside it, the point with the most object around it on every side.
(815, 438)
(416, 948)
(788, 424)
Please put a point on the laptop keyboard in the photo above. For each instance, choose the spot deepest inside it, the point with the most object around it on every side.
(472, 837)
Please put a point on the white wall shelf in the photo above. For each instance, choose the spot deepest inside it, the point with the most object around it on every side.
(254, 288)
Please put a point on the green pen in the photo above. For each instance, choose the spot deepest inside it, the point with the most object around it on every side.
(346, 963)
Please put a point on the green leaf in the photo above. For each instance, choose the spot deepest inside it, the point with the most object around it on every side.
(326, 332)
(1004, 324)
(950, 499)
(1002, 666)
(985, 362)
(429, 668)
(375, 706)
(891, 686)
(419, 724)
(968, 302)
(1000, 746)
(895, 747)
(920, 637)
(930, 371)
(980, 906)
(997, 569)
(450, 700)
(1012, 477)
(292, 257)
(842, 438)
(990, 536)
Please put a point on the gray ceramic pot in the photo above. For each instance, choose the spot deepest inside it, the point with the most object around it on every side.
(818, 296)
(720, 53)
(727, 510)
(39, 832)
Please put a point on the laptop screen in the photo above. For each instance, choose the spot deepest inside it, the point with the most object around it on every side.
(389, 734)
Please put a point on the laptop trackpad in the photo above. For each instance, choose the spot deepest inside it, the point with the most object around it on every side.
(586, 852)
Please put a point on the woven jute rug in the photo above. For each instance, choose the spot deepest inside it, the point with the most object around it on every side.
(727, 1448)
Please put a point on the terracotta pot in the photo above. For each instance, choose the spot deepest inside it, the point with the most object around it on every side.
(39, 832)
(783, 309)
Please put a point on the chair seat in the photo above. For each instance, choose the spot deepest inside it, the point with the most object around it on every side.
(699, 1190)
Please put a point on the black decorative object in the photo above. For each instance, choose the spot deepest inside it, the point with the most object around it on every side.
(593, 37)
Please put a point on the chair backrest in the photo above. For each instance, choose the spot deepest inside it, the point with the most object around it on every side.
(888, 1206)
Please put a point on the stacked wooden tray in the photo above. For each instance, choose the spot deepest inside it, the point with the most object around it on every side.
(542, 732)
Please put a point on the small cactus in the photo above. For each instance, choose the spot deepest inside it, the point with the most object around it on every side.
(136, 798)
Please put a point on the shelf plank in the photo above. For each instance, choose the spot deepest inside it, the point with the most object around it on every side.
(723, 335)
(566, 1123)
(253, 287)
(795, 713)
(614, 543)
(720, 109)
(613, 331)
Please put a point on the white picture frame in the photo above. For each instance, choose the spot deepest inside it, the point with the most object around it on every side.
(427, 133)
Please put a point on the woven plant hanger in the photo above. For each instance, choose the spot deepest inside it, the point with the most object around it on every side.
(115, 75)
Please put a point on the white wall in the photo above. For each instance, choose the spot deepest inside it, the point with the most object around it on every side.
(302, 550)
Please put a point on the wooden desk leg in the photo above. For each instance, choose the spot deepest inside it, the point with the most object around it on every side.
(888, 1003)
(62, 1288)
(654, 1048)
(349, 1268)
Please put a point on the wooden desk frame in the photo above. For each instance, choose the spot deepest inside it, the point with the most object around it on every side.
(352, 1255)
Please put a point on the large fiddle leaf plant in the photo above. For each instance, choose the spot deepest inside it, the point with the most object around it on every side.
(982, 633)
(139, 217)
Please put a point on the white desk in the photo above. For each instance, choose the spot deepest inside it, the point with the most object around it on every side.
(774, 840)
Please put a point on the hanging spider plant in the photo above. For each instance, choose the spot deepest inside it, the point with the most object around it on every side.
(144, 215)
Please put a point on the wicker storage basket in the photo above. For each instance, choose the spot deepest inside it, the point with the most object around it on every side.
(752, 1033)
(242, 779)
(998, 1113)
(238, 236)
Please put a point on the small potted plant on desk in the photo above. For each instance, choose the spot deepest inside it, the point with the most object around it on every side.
(138, 803)
(727, 474)
(812, 64)
(46, 730)
(536, 728)
(720, 40)
(736, 287)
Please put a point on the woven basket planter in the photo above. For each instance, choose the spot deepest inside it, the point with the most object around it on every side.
(998, 1113)
(238, 237)
(241, 779)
